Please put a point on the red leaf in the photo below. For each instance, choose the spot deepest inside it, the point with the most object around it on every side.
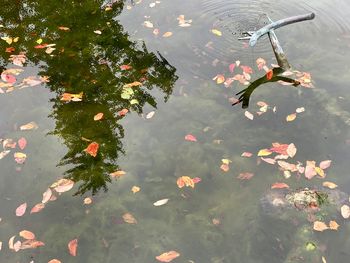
(123, 112)
(37, 208)
(92, 149)
(247, 154)
(21, 209)
(232, 67)
(125, 67)
(247, 69)
(279, 186)
(191, 138)
(72, 247)
(279, 148)
(22, 142)
(269, 74)
(196, 180)
(41, 46)
(8, 78)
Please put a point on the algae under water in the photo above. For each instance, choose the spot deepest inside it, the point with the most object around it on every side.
(129, 59)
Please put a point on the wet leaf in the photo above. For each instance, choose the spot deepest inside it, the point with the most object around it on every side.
(148, 24)
(98, 116)
(63, 28)
(185, 181)
(135, 189)
(87, 200)
(27, 234)
(247, 154)
(291, 117)
(167, 34)
(245, 176)
(29, 126)
(291, 150)
(287, 166)
(150, 115)
(247, 69)
(333, 225)
(129, 218)
(260, 62)
(325, 164)
(22, 143)
(62, 185)
(20, 211)
(118, 174)
(310, 171)
(161, 202)
(219, 78)
(320, 226)
(216, 32)
(249, 115)
(345, 211)
(46, 196)
(11, 242)
(72, 97)
(168, 256)
(37, 208)
(300, 110)
(92, 149)
(125, 67)
(324, 260)
(269, 74)
(190, 138)
(264, 152)
(20, 157)
(226, 161)
(268, 160)
(17, 246)
(310, 246)
(232, 67)
(224, 167)
(72, 247)
(132, 84)
(123, 112)
(4, 153)
(320, 172)
(98, 32)
(8, 78)
(279, 186)
(54, 261)
(196, 180)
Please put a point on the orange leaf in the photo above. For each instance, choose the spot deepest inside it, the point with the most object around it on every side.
(27, 234)
(167, 34)
(117, 174)
(129, 218)
(225, 167)
(125, 67)
(63, 28)
(320, 226)
(92, 149)
(333, 225)
(123, 112)
(269, 74)
(185, 181)
(54, 261)
(168, 256)
(72, 247)
(330, 185)
(219, 78)
(279, 186)
(291, 117)
(98, 116)
(37, 208)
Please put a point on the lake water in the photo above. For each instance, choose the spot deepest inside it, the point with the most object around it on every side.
(172, 120)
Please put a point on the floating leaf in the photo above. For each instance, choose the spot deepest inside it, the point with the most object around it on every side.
(150, 115)
(310, 171)
(320, 226)
(268, 160)
(11, 242)
(98, 32)
(247, 154)
(92, 149)
(225, 167)
(245, 176)
(291, 150)
(185, 181)
(325, 164)
(264, 152)
(300, 110)
(216, 32)
(129, 218)
(219, 78)
(62, 185)
(333, 225)
(125, 67)
(167, 34)
(168, 256)
(123, 112)
(27, 234)
(117, 174)
(87, 200)
(132, 84)
(148, 24)
(279, 186)
(260, 62)
(37, 208)
(232, 67)
(135, 189)
(247, 69)
(345, 211)
(63, 28)
(29, 126)
(20, 211)
(196, 180)
(46, 196)
(22, 142)
(249, 115)
(98, 116)
(4, 153)
(320, 172)
(291, 117)
(190, 138)
(72, 97)
(20, 157)
(161, 202)
(54, 261)
(72, 247)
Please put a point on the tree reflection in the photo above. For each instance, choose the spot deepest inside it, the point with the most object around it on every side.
(88, 62)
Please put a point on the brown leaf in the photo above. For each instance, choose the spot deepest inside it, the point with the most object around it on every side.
(129, 218)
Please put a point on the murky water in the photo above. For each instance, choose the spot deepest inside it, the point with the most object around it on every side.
(220, 219)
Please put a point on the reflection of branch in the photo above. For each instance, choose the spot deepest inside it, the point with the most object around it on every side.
(246, 93)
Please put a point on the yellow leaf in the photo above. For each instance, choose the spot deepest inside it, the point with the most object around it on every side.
(219, 78)
(39, 41)
(15, 39)
(216, 32)
(324, 260)
(135, 189)
(291, 117)
(330, 185)
(319, 171)
(226, 161)
(167, 34)
(333, 225)
(7, 39)
(264, 152)
(320, 226)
